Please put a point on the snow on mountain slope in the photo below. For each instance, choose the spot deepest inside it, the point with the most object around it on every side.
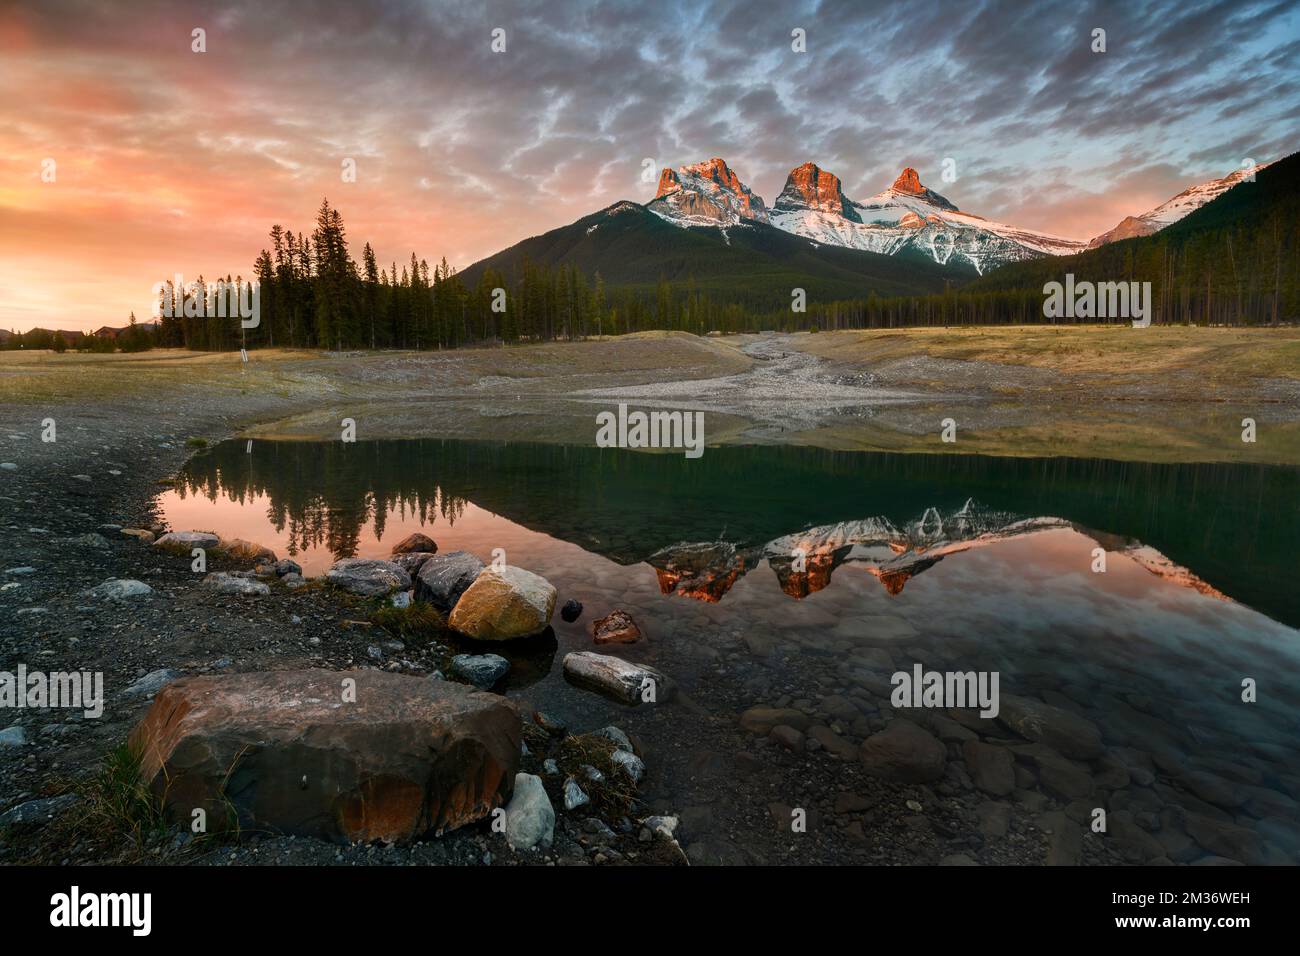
(907, 216)
(1172, 210)
(705, 194)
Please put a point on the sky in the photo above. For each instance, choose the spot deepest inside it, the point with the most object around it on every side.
(167, 160)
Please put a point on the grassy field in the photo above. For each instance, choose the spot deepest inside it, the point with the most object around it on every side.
(1164, 394)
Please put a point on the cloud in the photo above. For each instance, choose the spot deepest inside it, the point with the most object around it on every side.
(170, 160)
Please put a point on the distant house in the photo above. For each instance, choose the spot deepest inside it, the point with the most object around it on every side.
(110, 332)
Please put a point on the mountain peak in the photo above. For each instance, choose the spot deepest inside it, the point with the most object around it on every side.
(811, 187)
(707, 193)
(909, 182)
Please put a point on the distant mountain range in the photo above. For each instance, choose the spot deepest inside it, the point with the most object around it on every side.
(706, 226)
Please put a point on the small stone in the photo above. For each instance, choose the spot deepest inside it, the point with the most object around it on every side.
(574, 795)
(571, 611)
(481, 670)
(616, 628)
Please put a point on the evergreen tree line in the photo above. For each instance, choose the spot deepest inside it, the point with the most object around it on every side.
(313, 294)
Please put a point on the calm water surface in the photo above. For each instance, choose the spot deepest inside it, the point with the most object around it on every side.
(956, 562)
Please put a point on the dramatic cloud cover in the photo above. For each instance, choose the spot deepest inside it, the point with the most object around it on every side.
(173, 161)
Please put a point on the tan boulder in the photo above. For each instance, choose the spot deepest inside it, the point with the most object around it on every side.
(504, 603)
(237, 549)
(343, 755)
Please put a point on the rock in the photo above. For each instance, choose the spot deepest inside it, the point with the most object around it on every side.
(846, 802)
(92, 540)
(445, 577)
(530, 819)
(616, 628)
(415, 542)
(36, 813)
(151, 683)
(994, 819)
(1072, 735)
(957, 859)
(237, 549)
(571, 611)
(292, 581)
(834, 743)
(761, 720)
(119, 589)
(368, 577)
(1225, 839)
(1213, 789)
(286, 566)
(13, 736)
(412, 561)
(903, 751)
(991, 768)
(662, 826)
(183, 542)
(574, 795)
(400, 599)
(8, 466)
(1134, 843)
(140, 534)
(481, 670)
(390, 757)
(614, 676)
(630, 762)
(550, 723)
(224, 583)
(1064, 839)
(503, 604)
(787, 737)
(621, 740)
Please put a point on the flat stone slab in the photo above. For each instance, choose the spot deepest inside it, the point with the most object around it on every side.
(614, 677)
(343, 755)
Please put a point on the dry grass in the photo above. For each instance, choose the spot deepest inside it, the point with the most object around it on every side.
(1109, 352)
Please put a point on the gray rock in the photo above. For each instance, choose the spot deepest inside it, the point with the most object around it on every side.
(92, 540)
(119, 589)
(185, 541)
(151, 683)
(287, 566)
(14, 736)
(615, 677)
(368, 577)
(225, 583)
(481, 670)
(574, 795)
(620, 739)
(991, 768)
(35, 813)
(530, 818)
(630, 762)
(412, 562)
(443, 578)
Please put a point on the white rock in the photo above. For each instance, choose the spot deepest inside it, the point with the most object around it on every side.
(614, 676)
(119, 589)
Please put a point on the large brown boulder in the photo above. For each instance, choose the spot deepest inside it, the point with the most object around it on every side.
(504, 603)
(415, 542)
(903, 751)
(296, 752)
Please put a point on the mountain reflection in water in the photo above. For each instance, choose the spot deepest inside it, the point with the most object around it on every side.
(1222, 530)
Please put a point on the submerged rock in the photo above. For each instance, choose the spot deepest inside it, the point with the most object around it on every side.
(530, 818)
(368, 577)
(616, 628)
(571, 611)
(415, 542)
(615, 677)
(504, 603)
(344, 755)
(481, 670)
(443, 578)
(1068, 733)
(903, 751)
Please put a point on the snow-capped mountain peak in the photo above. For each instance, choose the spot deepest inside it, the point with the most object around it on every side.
(908, 216)
(1172, 210)
(705, 194)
